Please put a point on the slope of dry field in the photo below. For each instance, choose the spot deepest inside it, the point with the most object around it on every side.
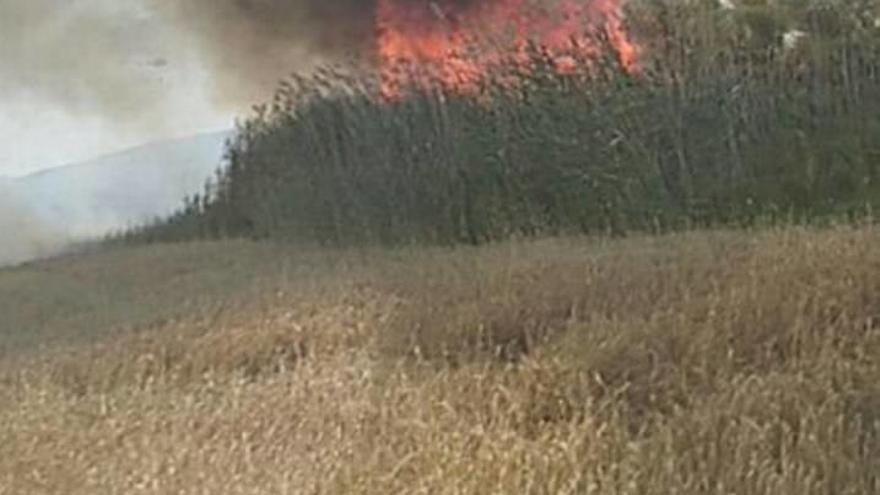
(722, 362)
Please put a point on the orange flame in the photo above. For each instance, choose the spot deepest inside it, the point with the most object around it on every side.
(454, 44)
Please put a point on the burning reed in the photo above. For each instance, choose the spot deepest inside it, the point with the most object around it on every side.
(720, 120)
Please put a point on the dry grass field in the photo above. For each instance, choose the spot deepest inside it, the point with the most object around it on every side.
(702, 363)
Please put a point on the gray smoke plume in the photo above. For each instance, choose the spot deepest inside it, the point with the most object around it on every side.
(80, 55)
(107, 57)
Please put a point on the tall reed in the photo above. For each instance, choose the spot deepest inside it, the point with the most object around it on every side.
(727, 122)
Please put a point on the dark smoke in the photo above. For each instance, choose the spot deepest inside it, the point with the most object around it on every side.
(252, 44)
(249, 45)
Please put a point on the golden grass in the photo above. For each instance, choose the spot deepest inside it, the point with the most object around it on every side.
(722, 362)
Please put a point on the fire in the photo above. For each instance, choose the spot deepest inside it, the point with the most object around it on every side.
(454, 43)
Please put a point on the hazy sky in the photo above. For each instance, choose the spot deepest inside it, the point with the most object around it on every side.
(81, 78)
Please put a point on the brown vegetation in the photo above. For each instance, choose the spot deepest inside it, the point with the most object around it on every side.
(723, 362)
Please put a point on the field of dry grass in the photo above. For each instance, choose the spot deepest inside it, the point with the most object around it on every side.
(715, 363)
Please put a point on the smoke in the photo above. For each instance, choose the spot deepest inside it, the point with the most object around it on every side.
(144, 65)
(23, 235)
(86, 56)
(249, 45)
(112, 58)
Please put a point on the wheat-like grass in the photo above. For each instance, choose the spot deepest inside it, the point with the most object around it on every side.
(718, 362)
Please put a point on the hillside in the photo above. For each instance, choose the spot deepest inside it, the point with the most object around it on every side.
(124, 188)
(41, 212)
(714, 362)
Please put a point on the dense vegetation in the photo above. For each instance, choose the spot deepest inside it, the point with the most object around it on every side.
(766, 112)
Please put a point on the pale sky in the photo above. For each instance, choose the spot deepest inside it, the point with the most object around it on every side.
(83, 78)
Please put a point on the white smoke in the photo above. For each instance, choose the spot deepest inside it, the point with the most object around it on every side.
(23, 235)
